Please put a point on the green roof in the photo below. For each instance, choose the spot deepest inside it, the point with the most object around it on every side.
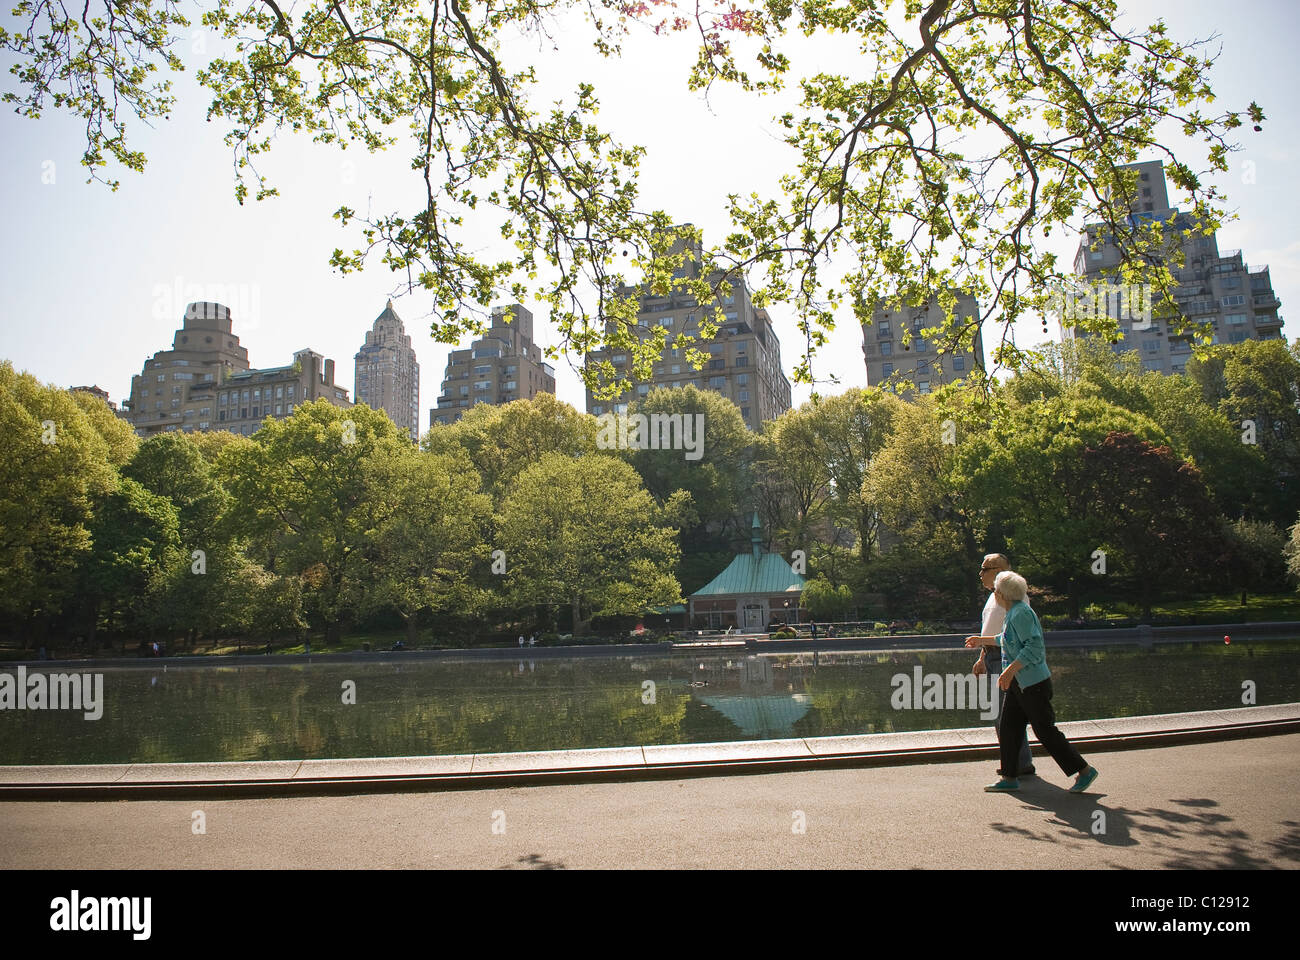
(767, 574)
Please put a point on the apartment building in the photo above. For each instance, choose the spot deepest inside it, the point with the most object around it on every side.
(193, 385)
(744, 362)
(504, 365)
(387, 373)
(891, 357)
(246, 398)
(1215, 286)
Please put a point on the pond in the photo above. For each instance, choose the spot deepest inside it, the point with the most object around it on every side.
(415, 707)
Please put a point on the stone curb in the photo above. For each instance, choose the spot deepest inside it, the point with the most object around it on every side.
(276, 778)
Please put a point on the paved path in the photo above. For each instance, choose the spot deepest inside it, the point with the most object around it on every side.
(1231, 804)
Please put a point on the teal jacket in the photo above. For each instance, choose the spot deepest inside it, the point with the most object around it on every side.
(1022, 639)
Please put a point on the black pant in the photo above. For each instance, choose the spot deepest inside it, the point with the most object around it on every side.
(993, 666)
(1033, 705)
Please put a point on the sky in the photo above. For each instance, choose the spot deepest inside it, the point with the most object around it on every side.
(96, 281)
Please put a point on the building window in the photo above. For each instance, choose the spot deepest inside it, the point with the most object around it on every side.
(221, 415)
(958, 364)
(717, 382)
(743, 396)
(676, 368)
(742, 361)
(482, 384)
(742, 380)
(243, 413)
(618, 358)
(744, 412)
(279, 393)
(483, 370)
(144, 393)
(162, 377)
(720, 364)
(1233, 319)
(288, 393)
(279, 409)
(597, 411)
(1230, 283)
(883, 333)
(1150, 346)
(886, 349)
(886, 369)
(642, 390)
(1236, 301)
(1236, 336)
(204, 424)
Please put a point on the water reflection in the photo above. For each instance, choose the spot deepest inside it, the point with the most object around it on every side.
(418, 707)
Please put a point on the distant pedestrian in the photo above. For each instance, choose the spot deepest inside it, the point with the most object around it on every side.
(1028, 683)
(532, 641)
(521, 641)
(814, 630)
(307, 644)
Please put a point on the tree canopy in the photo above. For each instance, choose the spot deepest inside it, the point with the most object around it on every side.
(965, 135)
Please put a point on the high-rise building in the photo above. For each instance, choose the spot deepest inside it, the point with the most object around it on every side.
(1213, 286)
(204, 381)
(744, 362)
(926, 363)
(504, 365)
(246, 398)
(387, 374)
(176, 389)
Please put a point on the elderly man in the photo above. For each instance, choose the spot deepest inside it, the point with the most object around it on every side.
(990, 659)
(1028, 683)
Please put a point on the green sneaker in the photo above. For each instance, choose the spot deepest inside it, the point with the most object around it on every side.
(1085, 780)
(1003, 786)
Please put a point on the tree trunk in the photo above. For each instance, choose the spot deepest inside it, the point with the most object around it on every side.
(577, 622)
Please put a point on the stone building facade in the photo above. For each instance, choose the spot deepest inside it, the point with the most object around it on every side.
(744, 362)
(1215, 285)
(926, 363)
(387, 373)
(504, 365)
(200, 383)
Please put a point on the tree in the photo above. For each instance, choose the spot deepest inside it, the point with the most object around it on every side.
(1159, 520)
(585, 532)
(1256, 386)
(56, 463)
(919, 484)
(826, 602)
(888, 197)
(136, 549)
(307, 492)
(1028, 471)
(716, 475)
(501, 441)
(424, 556)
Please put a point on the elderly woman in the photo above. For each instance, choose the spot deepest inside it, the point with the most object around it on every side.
(1028, 684)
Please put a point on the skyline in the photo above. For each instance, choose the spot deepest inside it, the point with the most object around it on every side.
(92, 274)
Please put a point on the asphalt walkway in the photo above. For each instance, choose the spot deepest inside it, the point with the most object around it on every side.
(1228, 804)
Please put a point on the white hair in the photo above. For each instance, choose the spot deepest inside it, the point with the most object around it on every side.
(1011, 585)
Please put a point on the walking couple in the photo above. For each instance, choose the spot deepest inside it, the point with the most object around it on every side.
(1012, 635)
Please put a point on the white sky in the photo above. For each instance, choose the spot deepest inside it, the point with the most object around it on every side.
(94, 281)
